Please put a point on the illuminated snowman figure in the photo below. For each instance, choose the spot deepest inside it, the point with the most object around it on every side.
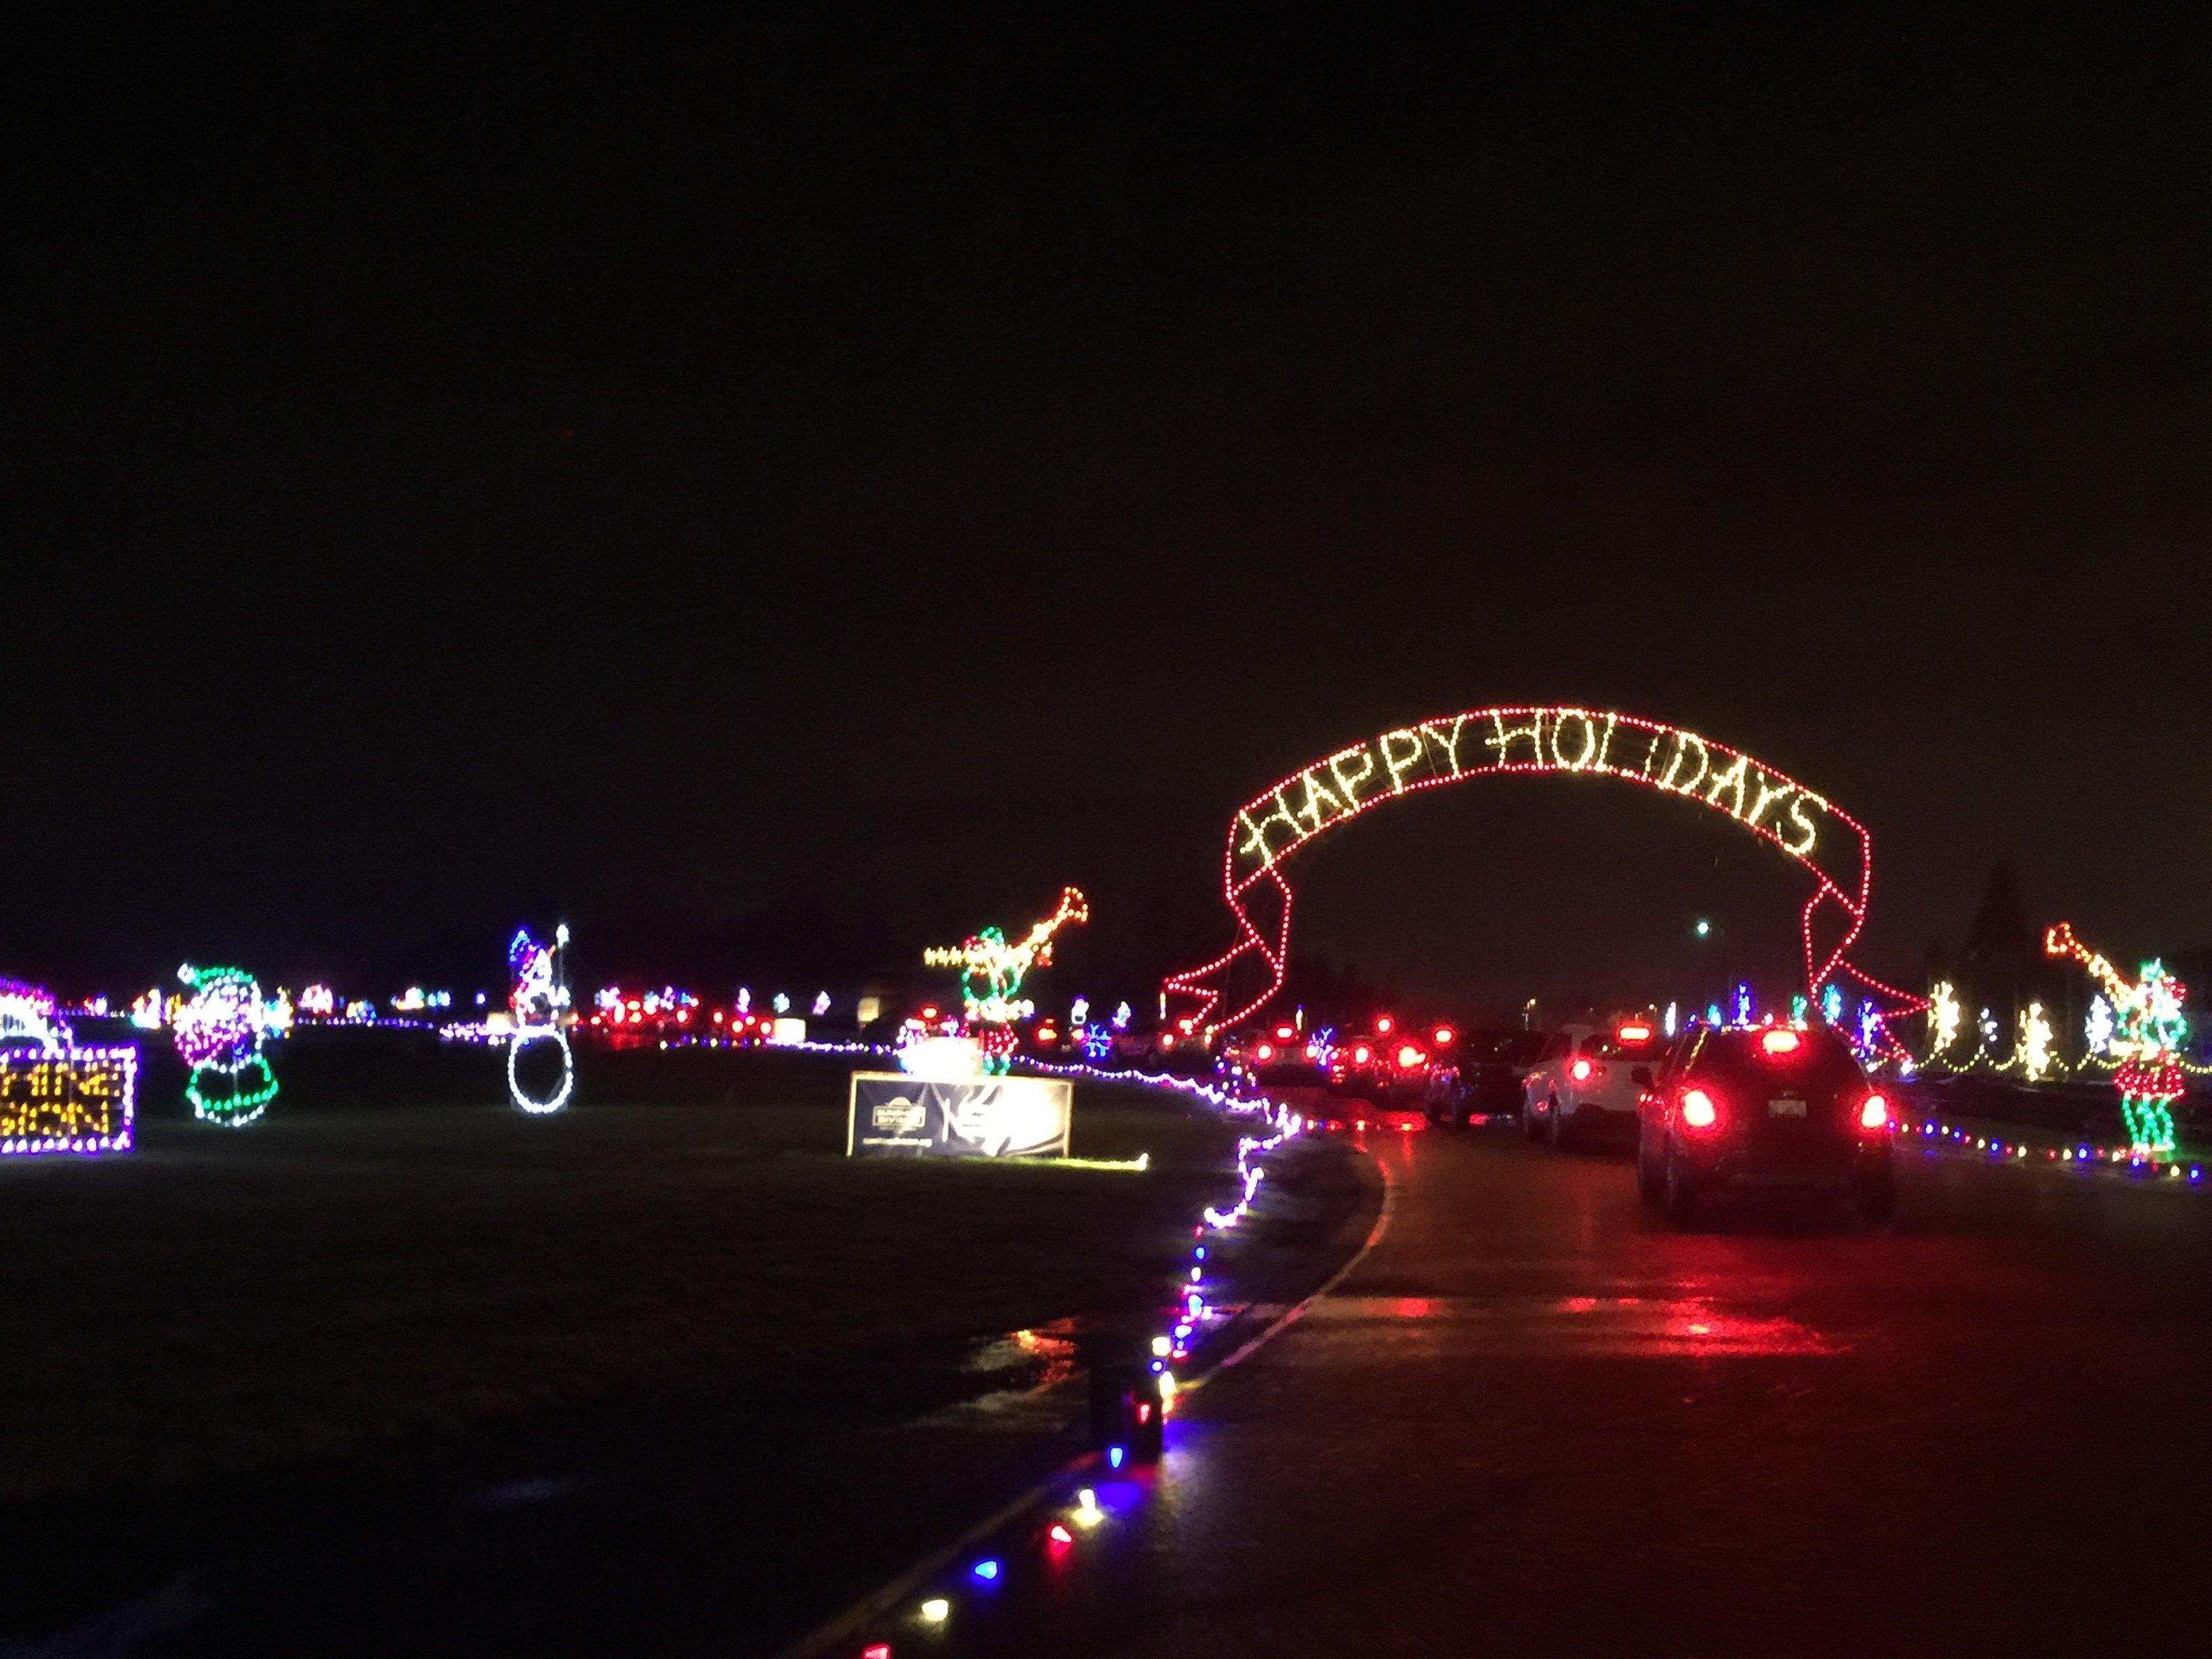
(538, 1001)
(2147, 1040)
(219, 1032)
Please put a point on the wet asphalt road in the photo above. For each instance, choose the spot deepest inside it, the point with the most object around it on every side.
(1534, 1420)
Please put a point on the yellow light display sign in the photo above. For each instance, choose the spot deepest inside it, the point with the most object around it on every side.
(70, 1100)
(1561, 740)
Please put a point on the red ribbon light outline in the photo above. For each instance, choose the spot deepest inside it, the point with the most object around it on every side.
(1270, 807)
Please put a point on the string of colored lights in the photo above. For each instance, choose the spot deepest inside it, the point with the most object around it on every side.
(1940, 1133)
(1058, 1531)
(1574, 741)
(219, 1032)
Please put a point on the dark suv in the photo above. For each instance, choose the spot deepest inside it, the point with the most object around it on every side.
(1765, 1109)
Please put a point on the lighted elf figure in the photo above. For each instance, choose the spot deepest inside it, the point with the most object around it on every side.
(992, 971)
(2146, 1042)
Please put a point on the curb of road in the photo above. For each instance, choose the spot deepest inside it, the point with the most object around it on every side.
(845, 1624)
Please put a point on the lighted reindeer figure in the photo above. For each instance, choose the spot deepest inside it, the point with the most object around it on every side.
(991, 972)
(2148, 1032)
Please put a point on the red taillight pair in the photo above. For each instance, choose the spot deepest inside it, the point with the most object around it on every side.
(1701, 1111)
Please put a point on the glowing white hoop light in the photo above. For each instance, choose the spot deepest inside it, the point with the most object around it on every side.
(522, 1039)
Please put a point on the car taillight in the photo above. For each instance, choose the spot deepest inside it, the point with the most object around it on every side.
(1779, 1042)
(1360, 1055)
(1874, 1114)
(1265, 1051)
(1698, 1111)
(1581, 1070)
(1409, 1057)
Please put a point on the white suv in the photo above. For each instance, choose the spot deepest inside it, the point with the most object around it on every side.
(1588, 1079)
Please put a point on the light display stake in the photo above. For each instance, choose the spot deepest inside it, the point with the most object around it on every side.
(821, 1003)
(1833, 847)
(992, 971)
(1985, 1023)
(219, 1032)
(539, 1002)
(2147, 1043)
(1831, 1003)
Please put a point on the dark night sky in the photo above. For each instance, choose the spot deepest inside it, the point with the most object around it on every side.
(874, 468)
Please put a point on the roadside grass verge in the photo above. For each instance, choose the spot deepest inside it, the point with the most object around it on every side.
(359, 1268)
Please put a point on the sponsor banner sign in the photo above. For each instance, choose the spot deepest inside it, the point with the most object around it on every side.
(892, 1115)
(66, 1100)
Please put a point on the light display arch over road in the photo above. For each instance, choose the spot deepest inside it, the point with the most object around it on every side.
(1833, 847)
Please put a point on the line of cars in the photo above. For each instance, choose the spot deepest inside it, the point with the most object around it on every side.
(1780, 1110)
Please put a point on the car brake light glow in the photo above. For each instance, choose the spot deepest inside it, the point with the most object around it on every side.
(1581, 1070)
(1265, 1051)
(1779, 1042)
(1360, 1055)
(1409, 1056)
(1443, 1035)
(1874, 1114)
(1382, 1026)
(1283, 1034)
(1698, 1111)
(1636, 1034)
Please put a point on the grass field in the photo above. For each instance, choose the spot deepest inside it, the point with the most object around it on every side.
(376, 1262)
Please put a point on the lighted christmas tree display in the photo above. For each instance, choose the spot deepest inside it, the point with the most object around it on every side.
(2146, 1038)
(1942, 1018)
(2033, 1048)
(992, 971)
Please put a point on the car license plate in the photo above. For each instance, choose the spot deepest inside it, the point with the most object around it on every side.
(1786, 1107)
